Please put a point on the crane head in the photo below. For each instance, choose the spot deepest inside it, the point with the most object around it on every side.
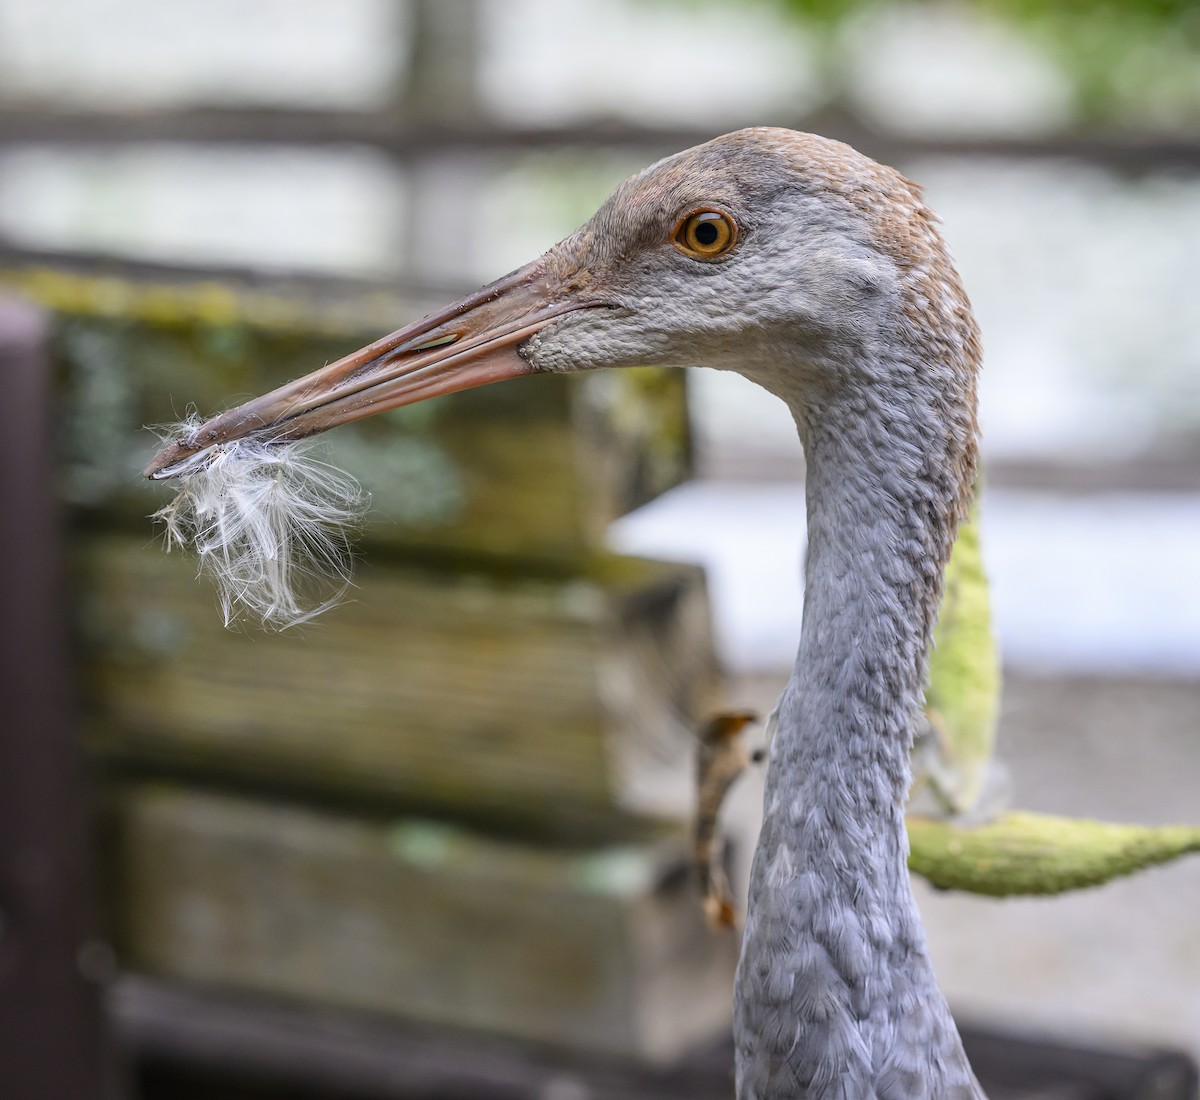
(765, 251)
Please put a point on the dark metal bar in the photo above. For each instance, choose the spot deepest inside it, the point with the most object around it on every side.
(407, 139)
(51, 1029)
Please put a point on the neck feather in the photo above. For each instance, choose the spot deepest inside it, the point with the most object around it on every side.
(835, 981)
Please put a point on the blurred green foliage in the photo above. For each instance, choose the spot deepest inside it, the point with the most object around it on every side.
(1127, 61)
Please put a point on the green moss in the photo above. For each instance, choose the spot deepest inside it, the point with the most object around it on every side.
(964, 676)
(536, 468)
(611, 870)
(184, 304)
(649, 408)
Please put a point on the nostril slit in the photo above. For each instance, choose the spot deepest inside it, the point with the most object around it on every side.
(441, 341)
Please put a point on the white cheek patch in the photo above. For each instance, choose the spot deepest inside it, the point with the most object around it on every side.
(272, 527)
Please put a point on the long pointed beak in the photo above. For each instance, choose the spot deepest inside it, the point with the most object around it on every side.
(468, 344)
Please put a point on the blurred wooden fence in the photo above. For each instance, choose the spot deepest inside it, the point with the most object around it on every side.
(216, 782)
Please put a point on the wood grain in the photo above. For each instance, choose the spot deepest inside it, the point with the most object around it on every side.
(597, 948)
(562, 704)
(539, 467)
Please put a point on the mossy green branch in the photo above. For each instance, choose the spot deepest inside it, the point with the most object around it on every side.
(1025, 853)
(963, 698)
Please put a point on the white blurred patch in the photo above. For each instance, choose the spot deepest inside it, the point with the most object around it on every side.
(1097, 585)
(271, 524)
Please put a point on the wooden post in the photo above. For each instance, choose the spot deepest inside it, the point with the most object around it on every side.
(445, 191)
(51, 1025)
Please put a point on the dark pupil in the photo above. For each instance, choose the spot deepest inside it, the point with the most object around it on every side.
(706, 233)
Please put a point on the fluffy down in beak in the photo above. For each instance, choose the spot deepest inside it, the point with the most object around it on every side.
(272, 525)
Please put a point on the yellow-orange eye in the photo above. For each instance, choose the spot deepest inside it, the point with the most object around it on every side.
(705, 235)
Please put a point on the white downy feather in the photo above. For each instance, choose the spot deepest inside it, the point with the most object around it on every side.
(271, 524)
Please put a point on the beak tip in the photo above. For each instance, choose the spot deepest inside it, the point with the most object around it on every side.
(159, 468)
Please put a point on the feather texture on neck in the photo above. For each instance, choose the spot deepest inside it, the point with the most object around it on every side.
(836, 994)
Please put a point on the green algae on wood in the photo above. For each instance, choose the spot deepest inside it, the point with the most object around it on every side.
(1023, 853)
(599, 948)
(538, 466)
(194, 300)
(553, 705)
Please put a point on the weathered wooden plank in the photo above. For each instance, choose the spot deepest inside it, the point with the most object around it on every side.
(210, 1043)
(189, 1034)
(412, 138)
(561, 703)
(600, 949)
(540, 466)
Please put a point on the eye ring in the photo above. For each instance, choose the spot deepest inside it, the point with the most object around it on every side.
(705, 234)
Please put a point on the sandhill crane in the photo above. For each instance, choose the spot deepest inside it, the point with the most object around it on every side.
(820, 275)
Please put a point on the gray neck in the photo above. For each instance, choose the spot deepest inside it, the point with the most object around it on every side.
(836, 995)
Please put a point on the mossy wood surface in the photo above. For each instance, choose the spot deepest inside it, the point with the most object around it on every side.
(559, 704)
(601, 948)
(537, 466)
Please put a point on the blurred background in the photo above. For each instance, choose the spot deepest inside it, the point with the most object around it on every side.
(209, 197)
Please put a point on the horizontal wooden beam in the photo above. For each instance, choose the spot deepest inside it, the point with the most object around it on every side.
(559, 704)
(407, 139)
(353, 1055)
(539, 468)
(323, 1052)
(600, 949)
(20, 263)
